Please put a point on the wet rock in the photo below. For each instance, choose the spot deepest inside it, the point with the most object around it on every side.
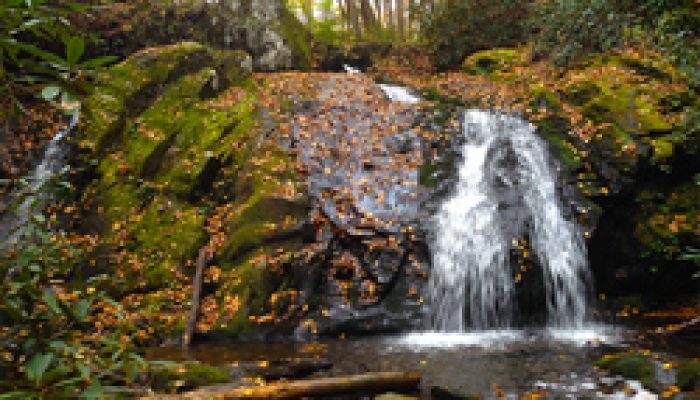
(497, 60)
(294, 368)
(632, 365)
(441, 393)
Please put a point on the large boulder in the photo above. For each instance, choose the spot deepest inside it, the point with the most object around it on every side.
(264, 28)
(177, 158)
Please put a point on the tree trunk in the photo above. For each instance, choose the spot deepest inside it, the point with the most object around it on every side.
(355, 385)
(309, 12)
(342, 6)
(380, 15)
(411, 17)
(400, 19)
(354, 16)
(389, 14)
(370, 20)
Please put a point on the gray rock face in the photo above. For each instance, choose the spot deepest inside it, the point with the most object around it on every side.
(256, 26)
(269, 50)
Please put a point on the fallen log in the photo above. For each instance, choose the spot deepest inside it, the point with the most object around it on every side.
(371, 383)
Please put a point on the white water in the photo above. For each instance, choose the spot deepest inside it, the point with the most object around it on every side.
(506, 185)
(399, 94)
(31, 196)
(351, 70)
(499, 338)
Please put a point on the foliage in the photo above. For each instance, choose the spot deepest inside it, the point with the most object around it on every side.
(51, 344)
(675, 31)
(457, 29)
(567, 30)
(27, 68)
(668, 226)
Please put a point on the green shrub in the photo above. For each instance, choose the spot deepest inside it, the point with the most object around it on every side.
(457, 29)
(50, 346)
(567, 30)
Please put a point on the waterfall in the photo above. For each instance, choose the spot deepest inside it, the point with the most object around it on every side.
(31, 197)
(399, 94)
(506, 189)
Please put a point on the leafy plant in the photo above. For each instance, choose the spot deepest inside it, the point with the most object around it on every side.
(455, 30)
(54, 342)
(28, 66)
(567, 30)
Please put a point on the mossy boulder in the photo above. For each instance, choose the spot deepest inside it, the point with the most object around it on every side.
(174, 138)
(266, 29)
(171, 377)
(496, 60)
(632, 365)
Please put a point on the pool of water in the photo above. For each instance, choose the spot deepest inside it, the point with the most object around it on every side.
(511, 363)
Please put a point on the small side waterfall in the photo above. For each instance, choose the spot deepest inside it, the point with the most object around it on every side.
(31, 197)
(506, 188)
(399, 94)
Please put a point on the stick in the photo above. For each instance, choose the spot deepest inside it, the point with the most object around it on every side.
(202, 260)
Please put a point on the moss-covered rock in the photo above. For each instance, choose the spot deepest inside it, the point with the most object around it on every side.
(264, 28)
(496, 60)
(298, 38)
(169, 377)
(175, 137)
(632, 365)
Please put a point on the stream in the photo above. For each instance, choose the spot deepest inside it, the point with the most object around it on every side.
(505, 363)
(485, 329)
(471, 341)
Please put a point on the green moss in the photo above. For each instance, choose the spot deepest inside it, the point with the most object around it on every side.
(175, 230)
(298, 38)
(497, 60)
(581, 93)
(169, 115)
(543, 98)
(688, 375)
(426, 175)
(663, 147)
(646, 66)
(129, 87)
(624, 106)
(177, 377)
(631, 365)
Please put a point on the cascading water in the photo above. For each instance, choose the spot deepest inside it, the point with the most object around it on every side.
(506, 188)
(30, 198)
